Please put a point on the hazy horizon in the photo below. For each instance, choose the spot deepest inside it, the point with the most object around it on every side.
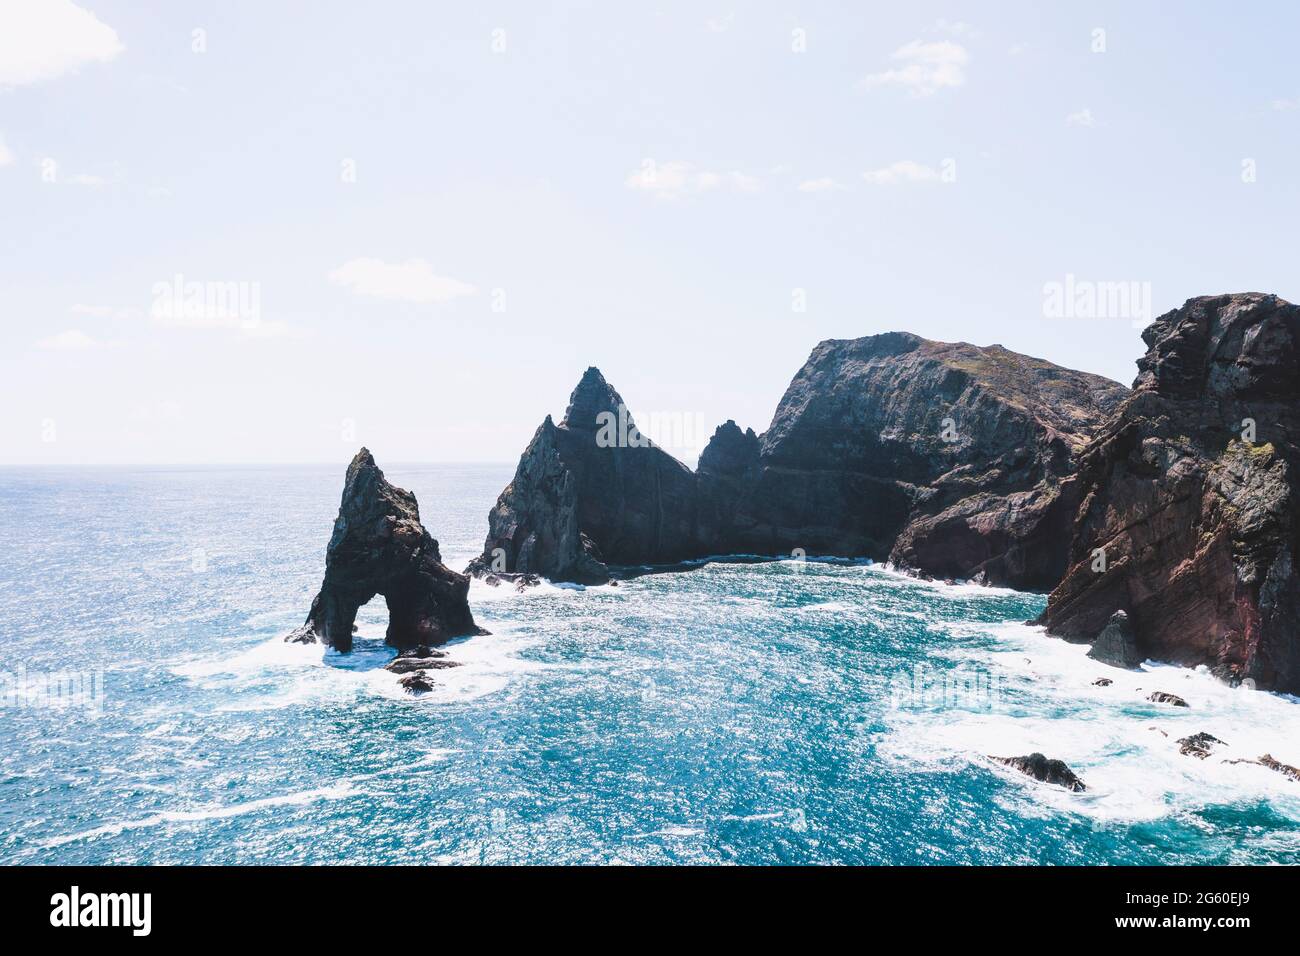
(247, 235)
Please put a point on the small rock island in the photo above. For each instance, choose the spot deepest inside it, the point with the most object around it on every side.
(379, 546)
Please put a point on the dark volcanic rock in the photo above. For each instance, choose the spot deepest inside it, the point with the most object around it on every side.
(1116, 645)
(1196, 516)
(943, 458)
(380, 547)
(588, 491)
(1272, 763)
(417, 683)
(1039, 767)
(1161, 697)
(419, 658)
(1102, 682)
(1198, 745)
(1292, 773)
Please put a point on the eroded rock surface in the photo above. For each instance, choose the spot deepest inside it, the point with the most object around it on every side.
(1190, 495)
(420, 658)
(1116, 644)
(1199, 745)
(588, 491)
(379, 547)
(944, 458)
(1048, 770)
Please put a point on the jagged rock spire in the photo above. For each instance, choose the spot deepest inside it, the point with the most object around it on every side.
(379, 546)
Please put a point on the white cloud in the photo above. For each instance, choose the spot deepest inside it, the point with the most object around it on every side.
(1285, 105)
(823, 185)
(672, 180)
(7, 157)
(409, 281)
(903, 171)
(1083, 117)
(43, 39)
(85, 179)
(73, 340)
(925, 68)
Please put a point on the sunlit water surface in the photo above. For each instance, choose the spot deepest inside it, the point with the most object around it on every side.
(776, 712)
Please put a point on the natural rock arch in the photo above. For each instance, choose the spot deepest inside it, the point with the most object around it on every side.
(379, 547)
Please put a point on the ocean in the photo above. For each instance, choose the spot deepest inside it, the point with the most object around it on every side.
(733, 712)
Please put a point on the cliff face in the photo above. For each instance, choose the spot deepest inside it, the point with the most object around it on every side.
(1194, 514)
(588, 491)
(379, 546)
(944, 458)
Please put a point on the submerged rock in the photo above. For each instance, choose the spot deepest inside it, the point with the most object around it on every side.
(1189, 498)
(1272, 763)
(1161, 697)
(1116, 645)
(1198, 745)
(379, 546)
(417, 683)
(419, 658)
(1290, 772)
(1048, 770)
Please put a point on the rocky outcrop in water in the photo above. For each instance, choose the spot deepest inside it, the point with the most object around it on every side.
(943, 458)
(1116, 644)
(589, 491)
(379, 547)
(419, 658)
(1272, 763)
(1199, 745)
(1164, 697)
(1047, 770)
(1187, 516)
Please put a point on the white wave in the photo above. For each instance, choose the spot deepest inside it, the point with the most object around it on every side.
(338, 792)
(955, 588)
(273, 674)
(1122, 745)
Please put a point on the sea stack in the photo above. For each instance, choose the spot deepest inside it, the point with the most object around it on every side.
(380, 547)
(588, 491)
(1188, 498)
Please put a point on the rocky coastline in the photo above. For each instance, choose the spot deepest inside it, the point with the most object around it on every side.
(1171, 504)
(1162, 519)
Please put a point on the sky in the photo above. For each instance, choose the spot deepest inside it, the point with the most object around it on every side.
(247, 232)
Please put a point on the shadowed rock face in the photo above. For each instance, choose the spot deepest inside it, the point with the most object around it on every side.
(1116, 644)
(379, 546)
(588, 491)
(944, 458)
(1198, 526)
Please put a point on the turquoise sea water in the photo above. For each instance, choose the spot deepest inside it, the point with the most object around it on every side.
(774, 712)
